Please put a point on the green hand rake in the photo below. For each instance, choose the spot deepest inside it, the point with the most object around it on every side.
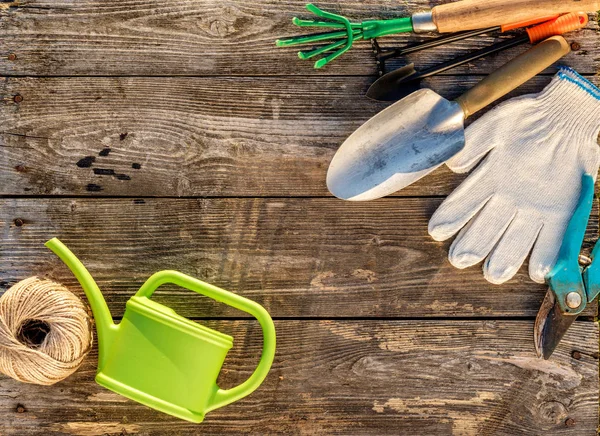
(342, 39)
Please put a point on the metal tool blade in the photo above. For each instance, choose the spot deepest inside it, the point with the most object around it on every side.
(550, 326)
(398, 84)
(397, 147)
(395, 85)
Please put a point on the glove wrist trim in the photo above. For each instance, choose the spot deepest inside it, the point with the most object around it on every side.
(570, 75)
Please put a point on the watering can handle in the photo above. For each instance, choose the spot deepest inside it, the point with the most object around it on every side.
(223, 397)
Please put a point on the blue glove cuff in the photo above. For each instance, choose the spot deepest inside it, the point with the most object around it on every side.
(570, 75)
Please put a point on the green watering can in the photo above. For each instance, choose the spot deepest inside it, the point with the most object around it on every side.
(161, 359)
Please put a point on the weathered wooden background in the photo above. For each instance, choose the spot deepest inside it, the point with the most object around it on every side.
(173, 135)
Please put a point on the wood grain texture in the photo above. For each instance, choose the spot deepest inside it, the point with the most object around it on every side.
(190, 136)
(354, 377)
(297, 257)
(478, 14)
(206, 37)
(360, 290)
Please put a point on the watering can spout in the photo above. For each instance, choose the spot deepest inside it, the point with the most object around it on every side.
(104, 323)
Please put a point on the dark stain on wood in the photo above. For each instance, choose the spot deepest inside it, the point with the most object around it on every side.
(104, 152)
(104, 172)
(122, 136)
(111, 172)
(92, 187)
(86, 162)
(136, 166)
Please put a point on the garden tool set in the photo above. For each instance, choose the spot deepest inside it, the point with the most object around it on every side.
(536, 158)
(404, 81)
(451, 17)
(536, 155)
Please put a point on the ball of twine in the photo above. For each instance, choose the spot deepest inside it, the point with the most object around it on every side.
(45, 332)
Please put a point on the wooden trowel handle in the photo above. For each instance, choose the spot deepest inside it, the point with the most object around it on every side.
(479, 14)
(513, 74)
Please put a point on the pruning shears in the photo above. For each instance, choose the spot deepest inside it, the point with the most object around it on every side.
(574, 281)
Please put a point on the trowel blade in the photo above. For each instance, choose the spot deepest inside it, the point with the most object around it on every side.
(394, 85)
(397, 147)
(550, 326)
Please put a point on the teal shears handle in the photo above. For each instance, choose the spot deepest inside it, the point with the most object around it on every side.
(223, 397)
(566, 276)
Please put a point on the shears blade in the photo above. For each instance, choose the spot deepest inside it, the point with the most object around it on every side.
(550, 326)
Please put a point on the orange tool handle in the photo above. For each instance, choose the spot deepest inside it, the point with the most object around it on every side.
(527, 23)
(478, 14)
(563, 24)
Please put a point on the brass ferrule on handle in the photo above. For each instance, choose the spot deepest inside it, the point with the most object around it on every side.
(513, 74)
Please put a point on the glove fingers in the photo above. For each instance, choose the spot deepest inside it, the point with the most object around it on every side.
(478, 238)
(480, 138)
(458, 209)
(590, 157)
(545, 252)
(470, 156)
(512, 250)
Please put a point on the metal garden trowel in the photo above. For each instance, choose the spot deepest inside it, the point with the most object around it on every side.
(416, 135)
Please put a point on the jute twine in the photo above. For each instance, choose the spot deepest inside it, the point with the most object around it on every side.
(45, 332)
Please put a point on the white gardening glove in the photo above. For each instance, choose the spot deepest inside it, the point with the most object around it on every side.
(522, 195)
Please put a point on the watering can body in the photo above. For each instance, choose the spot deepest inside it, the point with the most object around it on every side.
(164, 361)
(161, 359)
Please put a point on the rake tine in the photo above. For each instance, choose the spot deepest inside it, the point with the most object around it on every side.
(311, 23)
(349, 31)
(309, 39)
(312, 53)
(324, 61)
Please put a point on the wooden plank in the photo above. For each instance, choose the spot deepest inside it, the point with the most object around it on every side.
(356, 377)
(209, 37)
(297, 257)
(189, 136)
